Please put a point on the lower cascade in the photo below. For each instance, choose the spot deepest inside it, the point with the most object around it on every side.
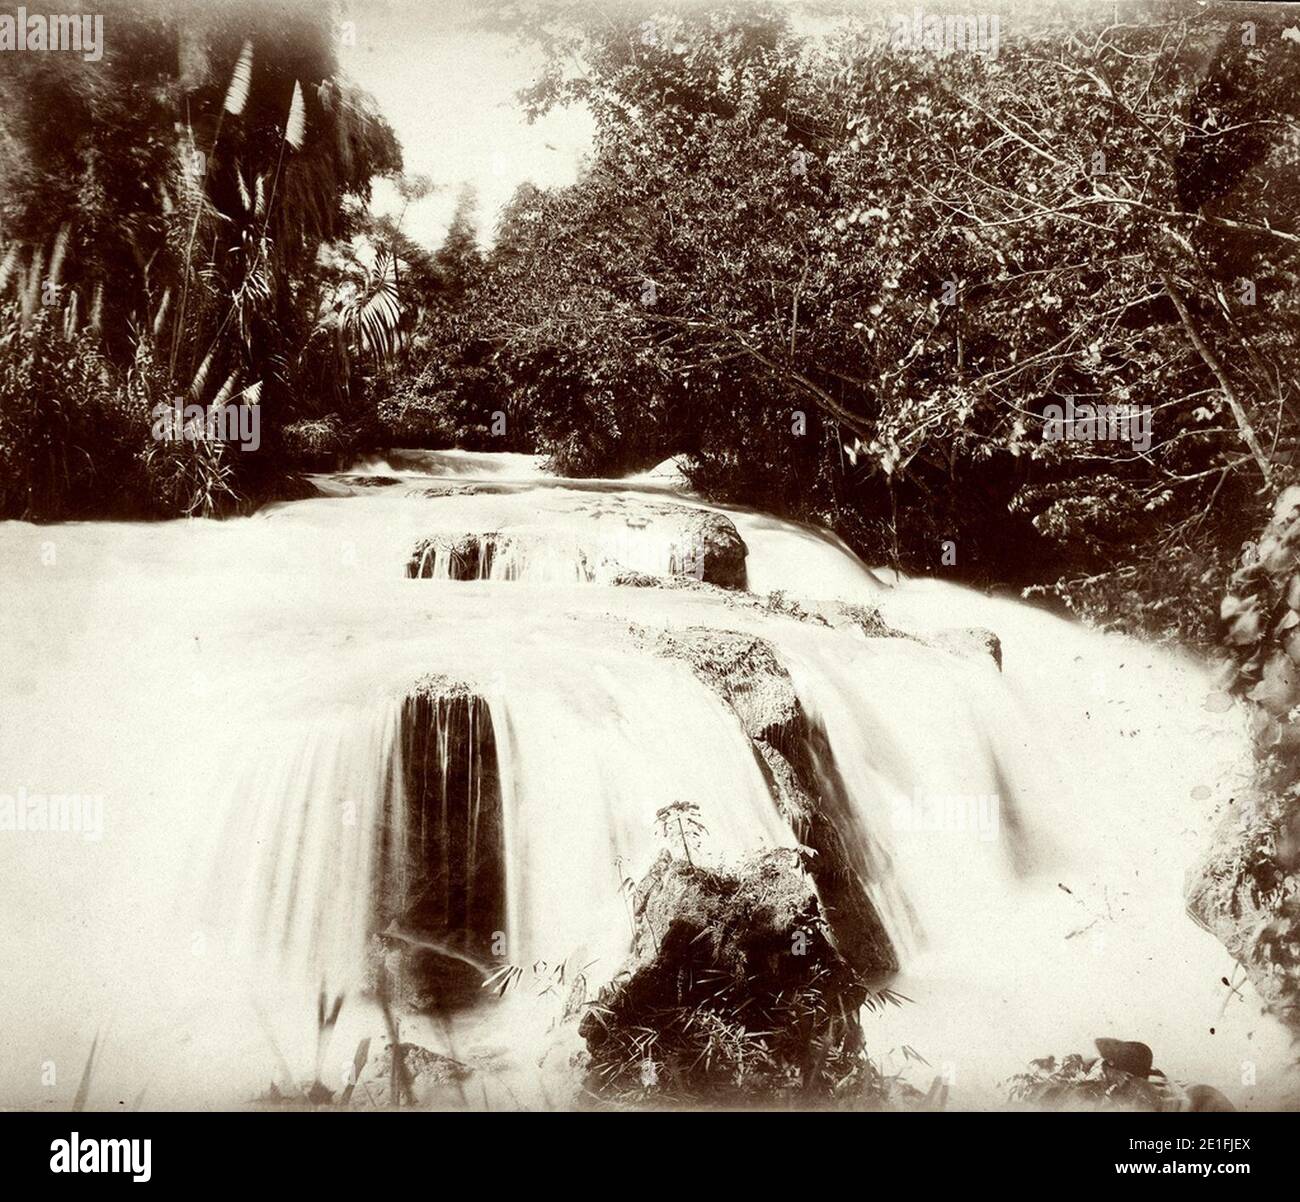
(477, 765)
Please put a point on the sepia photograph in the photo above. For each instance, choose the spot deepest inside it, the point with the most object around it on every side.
(730, 558)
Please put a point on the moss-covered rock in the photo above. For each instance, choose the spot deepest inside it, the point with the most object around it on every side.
(794, 756)
(732, 984)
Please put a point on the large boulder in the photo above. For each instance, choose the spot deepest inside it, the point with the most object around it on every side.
(710, 549)
(794, 756)
(735, 977)
(698, 546)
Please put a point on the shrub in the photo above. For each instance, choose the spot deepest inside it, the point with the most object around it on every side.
(69, 434)
(76, 435)
(316, 442)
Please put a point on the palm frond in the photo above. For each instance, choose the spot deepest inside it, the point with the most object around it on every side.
(373, 317)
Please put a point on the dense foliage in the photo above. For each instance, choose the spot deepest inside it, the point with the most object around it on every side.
(848, 278)
(162, 211)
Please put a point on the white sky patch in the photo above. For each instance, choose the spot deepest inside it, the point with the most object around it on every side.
(449, 93)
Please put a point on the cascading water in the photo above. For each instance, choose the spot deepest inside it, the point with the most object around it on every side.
(314, 768)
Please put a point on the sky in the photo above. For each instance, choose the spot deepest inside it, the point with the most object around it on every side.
(448, 90)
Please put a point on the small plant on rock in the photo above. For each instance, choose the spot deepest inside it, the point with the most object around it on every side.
(681, 821)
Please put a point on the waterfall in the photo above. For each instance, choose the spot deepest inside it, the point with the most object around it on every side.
(337, 761)
(307, 830)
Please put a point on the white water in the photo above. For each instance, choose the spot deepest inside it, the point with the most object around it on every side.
(232, 690)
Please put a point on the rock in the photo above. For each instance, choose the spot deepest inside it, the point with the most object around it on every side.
(1128, 1056)
(971, 642)
(734, 973)
(427, 1074)
(362, 480)
(743, 669)
(291, 486)
(701, 546)
(710, 549)
(464, 556)
(794, 756)
(837, 615)
(1207, 1099)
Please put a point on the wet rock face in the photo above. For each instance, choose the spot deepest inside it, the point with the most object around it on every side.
(467, 556)
(794, 756)
(735, 974)
(442, 894)
(700, 547)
